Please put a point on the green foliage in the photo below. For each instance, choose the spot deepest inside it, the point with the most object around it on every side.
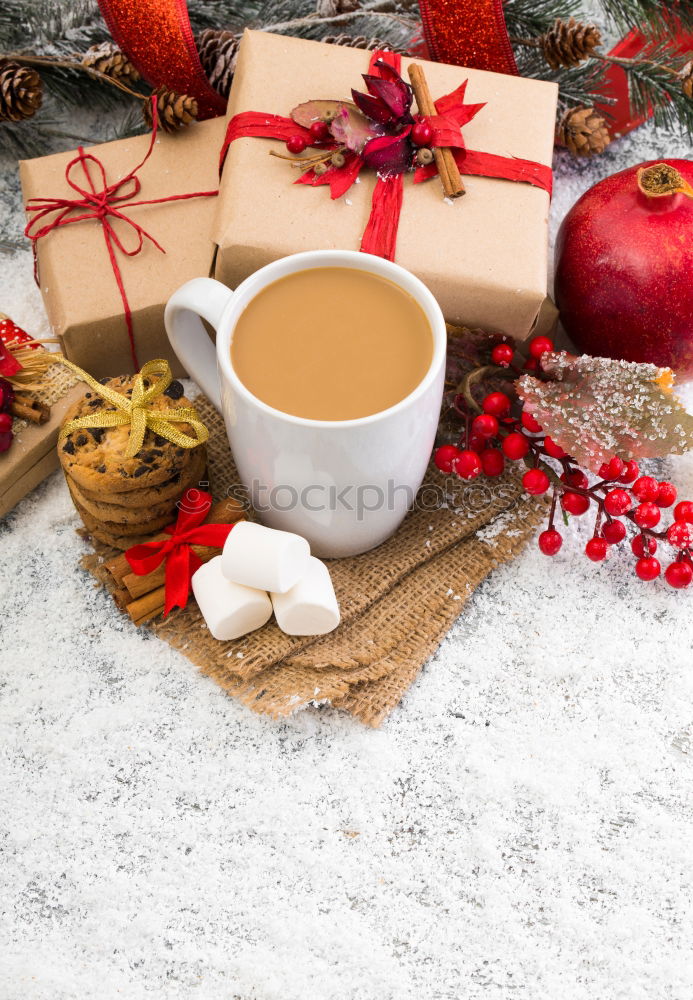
(654, 16)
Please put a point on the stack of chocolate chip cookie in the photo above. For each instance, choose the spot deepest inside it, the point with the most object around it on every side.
(123, 501)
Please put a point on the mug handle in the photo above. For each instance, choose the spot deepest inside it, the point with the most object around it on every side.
(206, 298)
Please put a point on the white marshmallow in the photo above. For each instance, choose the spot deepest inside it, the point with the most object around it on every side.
(310, 607)
(229, 609)
(265, 558)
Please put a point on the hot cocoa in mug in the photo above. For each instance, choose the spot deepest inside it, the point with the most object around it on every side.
(328, 369)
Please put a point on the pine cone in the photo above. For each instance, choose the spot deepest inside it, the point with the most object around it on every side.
(330, 8)
(356, 42)
(568, 43)
(175, 110)
(108, 59)
(21, 91)
(583, 131)
(218, 51)
(686, 78)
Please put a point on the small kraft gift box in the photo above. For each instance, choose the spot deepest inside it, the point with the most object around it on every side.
(484, 255)
(117, 228)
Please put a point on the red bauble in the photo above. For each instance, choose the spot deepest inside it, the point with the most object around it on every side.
(550, 542)
(443, 457)
(492, 461)
(467, 464)
(623, 274)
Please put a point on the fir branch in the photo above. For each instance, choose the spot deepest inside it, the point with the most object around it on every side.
(63, 74)
(653, 83)
(654, 17)
(533, 17)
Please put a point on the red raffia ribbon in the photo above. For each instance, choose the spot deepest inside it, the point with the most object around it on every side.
(380, 235)
(105, 202)
(177, 552)
(158, 39)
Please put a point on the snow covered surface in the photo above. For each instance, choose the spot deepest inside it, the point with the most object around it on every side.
(519, 828)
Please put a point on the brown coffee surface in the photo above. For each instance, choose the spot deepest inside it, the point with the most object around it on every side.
(332, 343)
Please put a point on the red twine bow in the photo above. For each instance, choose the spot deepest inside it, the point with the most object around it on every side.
(105, 202)
(380, 235)
(181, 560)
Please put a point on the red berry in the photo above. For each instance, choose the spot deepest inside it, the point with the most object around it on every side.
(535, 481)
(496, 403)
(515, 445)
(552, 449)
(539, 346)
(443, 457)
(647, 568)
(617, 502)
(596, 549)
(531, 365)
(492, 461)
(6, 395)
(529, 423)
(467, 464)
(647, 514)
(612, 469)
(550, 542)
(576, 478)
(296, 143)
(679, 535)
(666, 494)
(502, 354)
(319, 131)
(5, 423)
(485, 425)
(5, 441)
(683, 511)
(630, 472)
(679, 574)
(646, 488)
(614, 532)
(642, 544)
(575, 503)
(421, 134)
(476, 443)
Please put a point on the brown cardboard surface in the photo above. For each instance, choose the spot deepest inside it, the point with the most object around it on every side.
(77, 282)
(33, 454)
(483, 256)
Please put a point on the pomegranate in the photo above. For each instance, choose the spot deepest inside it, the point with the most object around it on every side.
(624, 267)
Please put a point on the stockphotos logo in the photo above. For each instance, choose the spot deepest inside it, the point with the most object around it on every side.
(363, 500)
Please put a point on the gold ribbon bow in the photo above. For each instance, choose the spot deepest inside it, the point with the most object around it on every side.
(136, 410)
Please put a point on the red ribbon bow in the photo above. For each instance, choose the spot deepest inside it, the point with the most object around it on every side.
(181, 560)
(380, 234)
(105, 202)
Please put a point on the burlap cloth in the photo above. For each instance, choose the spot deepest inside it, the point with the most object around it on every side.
(397, 602)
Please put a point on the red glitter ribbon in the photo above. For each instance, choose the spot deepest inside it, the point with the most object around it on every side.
(380, 235)
(468, 33)
(158, 39)
(104, 202)
(177, 552)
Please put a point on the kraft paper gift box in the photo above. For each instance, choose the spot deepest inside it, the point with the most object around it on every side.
(77, 282)
(484, 256)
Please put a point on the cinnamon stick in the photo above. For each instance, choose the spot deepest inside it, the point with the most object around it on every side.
(147, 607)
(28, 408)
(222, 512)
(137, 586)
(444, 160)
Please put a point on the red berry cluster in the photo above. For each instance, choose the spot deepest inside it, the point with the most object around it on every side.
(6, 401)
(494, 435)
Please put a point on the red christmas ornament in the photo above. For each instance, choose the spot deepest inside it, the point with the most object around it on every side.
(624, 265)
(550, 541)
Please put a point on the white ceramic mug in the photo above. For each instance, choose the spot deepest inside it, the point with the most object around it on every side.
(345, 485)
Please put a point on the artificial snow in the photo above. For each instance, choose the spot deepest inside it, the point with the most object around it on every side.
(519, 828)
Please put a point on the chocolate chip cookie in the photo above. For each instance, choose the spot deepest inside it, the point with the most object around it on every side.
(95, 457)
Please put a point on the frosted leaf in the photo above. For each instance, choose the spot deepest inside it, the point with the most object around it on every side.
(352, 129)
(313, 111)
(596, 408)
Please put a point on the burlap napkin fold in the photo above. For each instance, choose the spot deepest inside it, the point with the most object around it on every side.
(397, 602)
